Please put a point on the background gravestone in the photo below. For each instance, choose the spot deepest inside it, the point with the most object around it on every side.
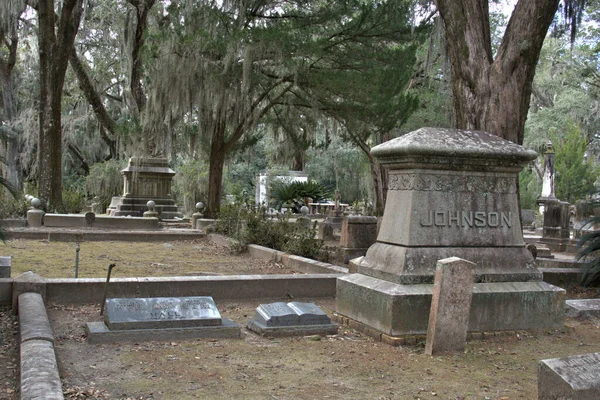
(143, 180)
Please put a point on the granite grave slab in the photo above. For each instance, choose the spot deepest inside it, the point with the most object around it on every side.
(583, 309)
(570, 378)
(161, 318)
(291, 319)
(161, 312)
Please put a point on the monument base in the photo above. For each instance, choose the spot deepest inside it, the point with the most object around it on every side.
(294, 330)
(98, 332)
(416, 265)
(399, 309)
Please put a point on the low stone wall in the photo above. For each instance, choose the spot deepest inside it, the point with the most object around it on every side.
(89, 291)
(13, 223)
(39, 370)
(296, 263)
(79, 221)
(89, 235)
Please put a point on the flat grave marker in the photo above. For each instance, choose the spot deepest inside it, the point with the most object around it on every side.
(161, 312)
(291, 319)
(574, 377)
(161, 318)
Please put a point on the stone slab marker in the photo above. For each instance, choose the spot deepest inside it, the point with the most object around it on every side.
(570, 378)
(450, 306)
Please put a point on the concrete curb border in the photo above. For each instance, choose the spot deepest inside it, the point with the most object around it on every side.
(38, 366)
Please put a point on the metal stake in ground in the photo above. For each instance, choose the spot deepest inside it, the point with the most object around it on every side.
(77, 261)
(110, 267)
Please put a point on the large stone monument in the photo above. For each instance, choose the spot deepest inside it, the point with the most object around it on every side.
(451, 193)
(144, 180)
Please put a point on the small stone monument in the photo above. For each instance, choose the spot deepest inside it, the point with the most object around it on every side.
(291, 319)
(557, 230)
(574, 377)
(547, 179)
(450, 306)
(146, 179)
(35, 216)
(161, 318)
(451, 193)
(358, 234)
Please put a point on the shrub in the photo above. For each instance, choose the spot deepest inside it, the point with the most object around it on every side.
(73, 201)
(104, 181)
(247, 227)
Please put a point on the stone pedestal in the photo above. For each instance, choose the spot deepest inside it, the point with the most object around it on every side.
(556, 233)
(358, 234)
(144, 180)
(35, 218)
(451, 193)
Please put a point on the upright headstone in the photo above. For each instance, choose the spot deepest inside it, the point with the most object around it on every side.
(450, 306)
(451, 193)
(570, 378)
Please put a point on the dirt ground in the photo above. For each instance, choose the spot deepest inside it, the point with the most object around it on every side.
(343, 366)
(176, 258)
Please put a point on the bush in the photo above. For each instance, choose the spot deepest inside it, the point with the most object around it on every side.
(73, 201)
(249, 227)
(590, 253)
(104, 181)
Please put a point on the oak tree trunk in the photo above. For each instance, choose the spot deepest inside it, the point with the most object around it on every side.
(55, 46)
(215, 172)
(11, 151)
(493, 94)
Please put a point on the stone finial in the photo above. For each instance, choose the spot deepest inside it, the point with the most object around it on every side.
(304, 210)
(199, 206)
(151, 213)
(36, 203)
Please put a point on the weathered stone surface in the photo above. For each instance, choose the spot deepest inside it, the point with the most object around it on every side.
(450, 306)
(161, 313)
(358, 232)
(33, 320)
(397, 309)
(325, 231)
(39, 371)
(583, 309)
(570, 378)
(5, 266)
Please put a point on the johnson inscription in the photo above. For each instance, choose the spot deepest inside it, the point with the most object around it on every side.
(463, 219)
